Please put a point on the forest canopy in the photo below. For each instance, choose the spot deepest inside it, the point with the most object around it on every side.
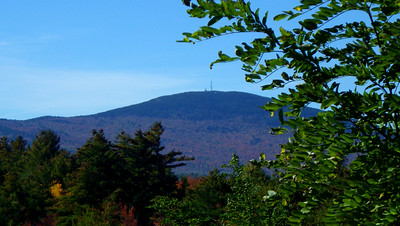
(102, 183)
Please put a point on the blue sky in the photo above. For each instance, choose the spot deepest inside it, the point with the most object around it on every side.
(69, 58)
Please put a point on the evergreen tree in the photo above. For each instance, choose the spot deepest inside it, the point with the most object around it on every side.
(11, 157)
(98, 174)
(132, 172)
(147, 171)
(45, 146)
(18, 145)
(5, 157)
(39, 174)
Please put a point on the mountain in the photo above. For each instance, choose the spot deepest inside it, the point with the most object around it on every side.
(208, 125)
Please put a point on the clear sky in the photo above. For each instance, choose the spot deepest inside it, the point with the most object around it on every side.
(70, 57)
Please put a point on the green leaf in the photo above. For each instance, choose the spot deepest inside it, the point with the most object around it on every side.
(305, 210)
(294, 219)
(225, 57)
(210, 30)
(271, 193)
(284, 32)
(281, 120)
(309, 24)
(214, 20)
(271, 106)
(357, 198)
(280, 17)
(278, 131)
(328, 102)
(252, 77)
(285, 76)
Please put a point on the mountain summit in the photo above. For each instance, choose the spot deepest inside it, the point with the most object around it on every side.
(195, 106)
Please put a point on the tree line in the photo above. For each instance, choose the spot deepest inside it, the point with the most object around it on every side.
(126, 182)
(102, 183)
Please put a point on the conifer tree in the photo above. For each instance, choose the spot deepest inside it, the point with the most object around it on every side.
(147, 171)
(131, 171)
(97, 175)
(37, 175)
(11, 158)
(5, 155)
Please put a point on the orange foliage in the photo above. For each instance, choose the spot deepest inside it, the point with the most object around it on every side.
(127, 215)
(193, 182)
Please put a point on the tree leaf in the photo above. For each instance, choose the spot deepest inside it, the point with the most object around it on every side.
(280, 17)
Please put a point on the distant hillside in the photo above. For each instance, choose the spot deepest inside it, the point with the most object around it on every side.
(207, 125)
(211, 105)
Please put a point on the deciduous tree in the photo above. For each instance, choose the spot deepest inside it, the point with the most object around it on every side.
(323, 45)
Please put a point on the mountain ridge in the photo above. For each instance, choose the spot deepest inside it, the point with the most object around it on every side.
(209, 125)
(183, 101)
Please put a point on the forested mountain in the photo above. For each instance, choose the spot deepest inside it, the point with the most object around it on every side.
(209, 126)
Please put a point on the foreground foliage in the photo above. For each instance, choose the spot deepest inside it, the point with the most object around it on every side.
(360, 124)
(104, 183)
(234, 198)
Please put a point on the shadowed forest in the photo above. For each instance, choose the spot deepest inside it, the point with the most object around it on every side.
(101, 183)
(127, 182)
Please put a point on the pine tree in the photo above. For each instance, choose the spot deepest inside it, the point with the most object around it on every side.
(97, 175)
(148, 172)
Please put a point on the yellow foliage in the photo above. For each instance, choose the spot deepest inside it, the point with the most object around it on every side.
(56, 189)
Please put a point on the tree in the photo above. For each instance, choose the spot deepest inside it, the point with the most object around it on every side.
(361, 124)
(201, 203)
(245, 204)
(130, 171)
(147, 171)
(232, 198)
(91, 185)
(18, 145)
(5, 152)
(97, 176)
(11, 165)
(25, 191)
